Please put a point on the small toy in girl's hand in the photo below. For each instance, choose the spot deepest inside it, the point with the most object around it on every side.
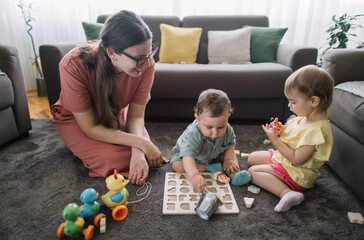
(274, 125)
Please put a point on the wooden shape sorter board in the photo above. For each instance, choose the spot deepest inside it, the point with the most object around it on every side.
(180, 199)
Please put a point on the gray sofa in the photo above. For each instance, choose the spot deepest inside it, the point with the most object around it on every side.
(14, 112)
(256, 90)
(347, 115)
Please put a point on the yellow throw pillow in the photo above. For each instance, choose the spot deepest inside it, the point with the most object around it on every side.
(179, 45)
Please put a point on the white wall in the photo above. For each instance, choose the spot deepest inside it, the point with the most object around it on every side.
(60, 20)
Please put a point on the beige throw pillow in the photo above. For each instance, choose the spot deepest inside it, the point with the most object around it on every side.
(229, 47)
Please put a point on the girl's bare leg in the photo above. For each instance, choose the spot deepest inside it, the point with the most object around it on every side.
(258, 157)
(264, 176)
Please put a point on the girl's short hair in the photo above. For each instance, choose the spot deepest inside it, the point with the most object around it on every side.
(216, 102)
(312, 81)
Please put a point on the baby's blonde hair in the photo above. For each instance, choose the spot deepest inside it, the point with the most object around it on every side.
(312, 81)
(214, 101)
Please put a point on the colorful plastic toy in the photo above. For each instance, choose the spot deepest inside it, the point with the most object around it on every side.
(74, 225)
(91, 208)
(275, 125)
(116, 198)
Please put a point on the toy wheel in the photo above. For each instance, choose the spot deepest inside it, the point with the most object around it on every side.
(89, 232)
(119, 213)
(60, 232)
(98, 219)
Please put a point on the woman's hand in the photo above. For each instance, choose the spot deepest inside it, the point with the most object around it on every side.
(138, 169)
(153, 154)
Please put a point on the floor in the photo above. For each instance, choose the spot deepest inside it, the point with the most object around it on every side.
(38, 106)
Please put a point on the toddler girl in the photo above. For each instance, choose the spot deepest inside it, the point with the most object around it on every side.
(304, 144)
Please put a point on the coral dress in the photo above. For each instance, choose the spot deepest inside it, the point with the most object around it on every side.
(78, 94)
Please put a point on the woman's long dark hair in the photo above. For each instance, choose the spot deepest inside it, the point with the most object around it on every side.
(121, 30)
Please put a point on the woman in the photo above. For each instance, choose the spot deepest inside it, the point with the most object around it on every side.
(105, 87)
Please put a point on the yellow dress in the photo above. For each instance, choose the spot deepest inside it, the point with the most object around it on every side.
(318, 134)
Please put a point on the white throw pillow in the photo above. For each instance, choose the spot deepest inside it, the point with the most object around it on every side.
(229, 47)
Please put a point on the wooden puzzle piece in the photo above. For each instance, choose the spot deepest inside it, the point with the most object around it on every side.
(172, 190)
(244, 155)
(254, 189)
(220, 177)
(266, 141)
(212, 189)
(248, 202)
(355, 218)
(237, 153)
(216, 175)
(103, 225)
(182, 177)
(185, 190)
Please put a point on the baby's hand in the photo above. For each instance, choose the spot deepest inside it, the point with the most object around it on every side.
(230, 167)
(199, 184)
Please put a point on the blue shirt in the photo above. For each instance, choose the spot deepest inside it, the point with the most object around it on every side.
(192, 143)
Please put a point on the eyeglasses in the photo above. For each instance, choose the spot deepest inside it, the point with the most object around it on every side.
(141, 61)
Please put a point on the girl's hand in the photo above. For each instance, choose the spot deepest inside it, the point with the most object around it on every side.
(230, 167)
(153, 154)
(271, 133)
(138, 169)
(199, 184)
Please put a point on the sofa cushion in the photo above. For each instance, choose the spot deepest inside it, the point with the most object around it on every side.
(179, 45)
(220, 23)
(347, 113)
(232, 47)
(264, 43)
(6, 91)
(248, 81)
(92, 30)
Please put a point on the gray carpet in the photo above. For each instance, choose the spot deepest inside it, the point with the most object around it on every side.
(39, 177)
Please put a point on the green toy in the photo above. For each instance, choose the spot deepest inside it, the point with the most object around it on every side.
(74, 225)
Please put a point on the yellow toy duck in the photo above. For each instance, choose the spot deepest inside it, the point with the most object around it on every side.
(118, 194)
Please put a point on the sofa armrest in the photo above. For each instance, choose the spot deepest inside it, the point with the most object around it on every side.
(10, 64)
(50, 56)
(344, 65)
(294, 56)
